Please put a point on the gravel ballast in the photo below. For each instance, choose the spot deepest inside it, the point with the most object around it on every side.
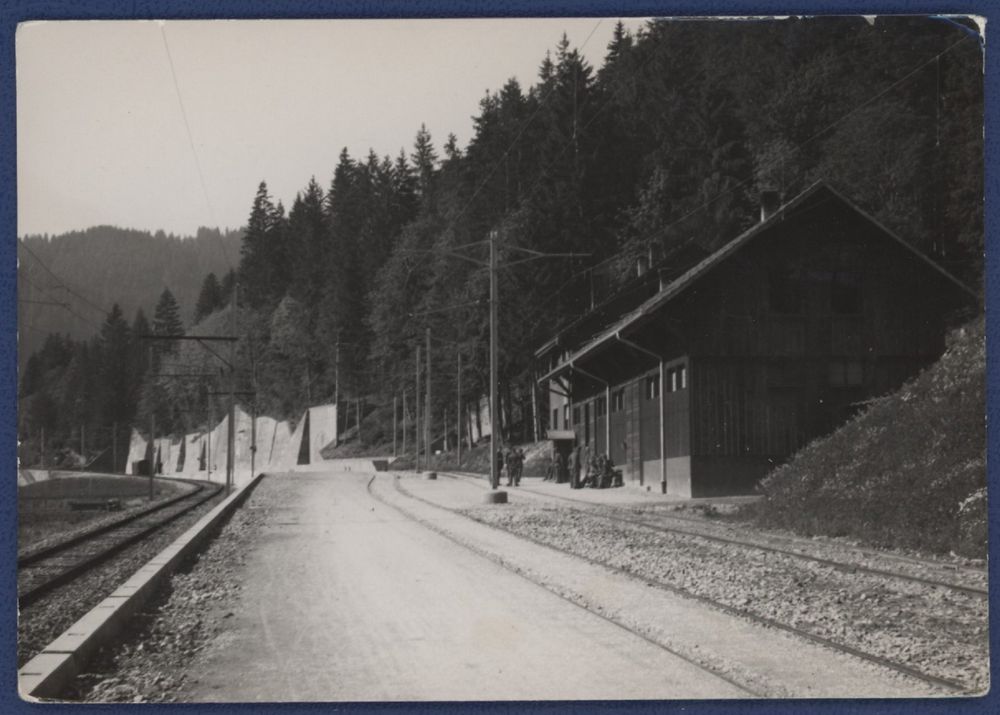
(935, 630)
(149, 665)
(46, 619)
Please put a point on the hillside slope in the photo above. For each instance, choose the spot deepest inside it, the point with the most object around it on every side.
(909, 472)
(106, 265)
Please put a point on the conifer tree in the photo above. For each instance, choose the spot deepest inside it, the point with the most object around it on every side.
(167, 321)
(210, 297)
(116, 376)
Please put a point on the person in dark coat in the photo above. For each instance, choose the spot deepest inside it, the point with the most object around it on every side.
(576, 466)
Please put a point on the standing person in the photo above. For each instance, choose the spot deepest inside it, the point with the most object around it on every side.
(550, 468)
(499, 464)
(562, 467)
(519, 466)
(509, 458)
(575, 467)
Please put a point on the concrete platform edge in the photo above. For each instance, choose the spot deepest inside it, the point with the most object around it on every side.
(48, 673)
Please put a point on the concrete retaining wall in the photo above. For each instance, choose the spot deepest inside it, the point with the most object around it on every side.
(136, 450)
(277, 446)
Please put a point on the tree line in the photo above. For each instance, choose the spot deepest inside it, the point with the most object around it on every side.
(665, 148)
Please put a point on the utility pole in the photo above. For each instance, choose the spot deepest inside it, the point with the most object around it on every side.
(494, 444)
(445, 421)
(336, 384)
(492, 267)
(458, 411)
(535, 417)
(427, 408)
(416, 417)
(253, 412)
(403, 451)
(211, 426)
(152, 451)
(393, 425)
(114, 447)
(231, 432)
(253, 437)
(83, 444)
(357, 413)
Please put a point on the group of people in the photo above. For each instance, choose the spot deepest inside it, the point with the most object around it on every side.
(582, 467)
(514, 461)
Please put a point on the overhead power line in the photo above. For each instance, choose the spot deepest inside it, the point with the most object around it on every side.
(62, 283)
(191, 143)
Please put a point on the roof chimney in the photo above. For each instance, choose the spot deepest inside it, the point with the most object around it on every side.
(769, 203)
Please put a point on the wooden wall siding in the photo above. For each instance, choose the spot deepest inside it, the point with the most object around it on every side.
(902, 301)
(633, 459)
(735, 413)
(649, 421)
(619, 432)
(601, 434)
(677, 414)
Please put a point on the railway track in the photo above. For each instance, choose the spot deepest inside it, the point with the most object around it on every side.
(946, 684)
(701, 531)
(44, 570)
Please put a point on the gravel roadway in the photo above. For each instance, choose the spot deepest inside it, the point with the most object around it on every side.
(345, 599)
(319, 590)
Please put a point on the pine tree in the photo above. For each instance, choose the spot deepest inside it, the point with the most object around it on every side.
(265, 253)
(116, 377)
(167, 321)
(226, 287)
(210, 297)
(424, 159)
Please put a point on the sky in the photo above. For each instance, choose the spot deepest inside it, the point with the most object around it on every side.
(107, 136)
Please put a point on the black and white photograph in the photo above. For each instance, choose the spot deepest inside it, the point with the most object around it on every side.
(580, 359)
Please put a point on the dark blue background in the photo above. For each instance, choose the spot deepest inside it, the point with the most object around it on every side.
(14, 11)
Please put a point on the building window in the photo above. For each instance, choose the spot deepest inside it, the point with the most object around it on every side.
(846, 373)
(566, 422)
(652, 387)
(784, 291)
(845, 293)
(555, 418)
(600, 407)
(618, 400)
(576, 415)
(676, 378)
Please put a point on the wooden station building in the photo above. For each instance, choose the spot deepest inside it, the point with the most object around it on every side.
(709, 370)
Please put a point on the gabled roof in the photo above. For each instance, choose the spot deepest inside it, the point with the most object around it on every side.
(640, 314)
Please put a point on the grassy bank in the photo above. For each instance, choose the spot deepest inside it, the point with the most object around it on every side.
(909, 471)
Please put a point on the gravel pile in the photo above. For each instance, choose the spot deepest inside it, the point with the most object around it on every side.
(42, 622)
(935, 630)
(150, 664)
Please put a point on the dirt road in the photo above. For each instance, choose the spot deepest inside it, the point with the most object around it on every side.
(346, 599)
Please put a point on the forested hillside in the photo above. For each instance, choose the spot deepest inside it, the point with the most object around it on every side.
(93, 269)
(667, 145)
